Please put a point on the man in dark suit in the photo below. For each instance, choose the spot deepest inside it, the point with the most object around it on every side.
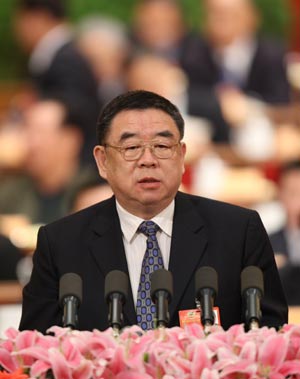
(141, 154)
(56, 66)
(230, 65)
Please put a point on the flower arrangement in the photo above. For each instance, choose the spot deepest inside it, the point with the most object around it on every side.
(173, 353)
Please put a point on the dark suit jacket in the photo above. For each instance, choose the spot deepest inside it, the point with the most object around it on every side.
(205, 233)
(267, 80)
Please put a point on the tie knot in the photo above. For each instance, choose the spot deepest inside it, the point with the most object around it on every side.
(149, 228)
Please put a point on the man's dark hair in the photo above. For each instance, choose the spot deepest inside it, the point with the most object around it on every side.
(55, 8)
(136, 100)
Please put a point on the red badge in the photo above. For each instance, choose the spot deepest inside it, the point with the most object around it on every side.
(190, 316)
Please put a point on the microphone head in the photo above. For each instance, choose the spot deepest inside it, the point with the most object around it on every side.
(161, 280)
(70, 284)
(116, 281)
(252, 277)
(206, 277)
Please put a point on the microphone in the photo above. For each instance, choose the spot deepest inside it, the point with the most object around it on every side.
(252, 289)
(70, 298)
(161, 294)
(206, 283)
(116, 292)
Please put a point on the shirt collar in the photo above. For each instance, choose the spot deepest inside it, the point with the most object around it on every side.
(130, 222)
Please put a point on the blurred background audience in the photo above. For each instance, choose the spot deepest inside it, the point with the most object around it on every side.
(237, 86)
(87, 189)
(56, 66)
(104, 43)
(159, 27)
(232, 70)
(54, 140)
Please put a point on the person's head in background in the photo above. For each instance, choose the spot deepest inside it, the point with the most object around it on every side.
(33, 19)
(140, 152)
(156, 74)
(87, 189)
(227, 21)
(104, 42)
(54, 141)
(158, 26)
(289, 193)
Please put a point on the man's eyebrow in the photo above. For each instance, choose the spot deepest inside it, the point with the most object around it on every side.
(126, 135)
(165, 133)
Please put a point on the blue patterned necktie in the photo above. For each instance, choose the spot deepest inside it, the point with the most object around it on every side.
(145, 308)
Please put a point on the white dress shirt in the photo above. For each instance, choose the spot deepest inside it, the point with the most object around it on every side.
(236, 59)
(135, 243)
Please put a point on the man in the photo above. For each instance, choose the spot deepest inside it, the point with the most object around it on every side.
(158, 27)
(230, 67)
(56, 66)
(53, 138)
(141, 154)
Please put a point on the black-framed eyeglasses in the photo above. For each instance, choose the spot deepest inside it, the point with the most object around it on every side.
(132, 152)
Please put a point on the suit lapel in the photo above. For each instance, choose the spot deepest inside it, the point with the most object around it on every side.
(189, 240)
(107, 249)
(188, 245)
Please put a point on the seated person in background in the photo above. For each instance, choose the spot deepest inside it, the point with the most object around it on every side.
(155, 73)
(106, 46)
(158, 27)
(231, 69)
(141, 154)
(286, 241)
(53, 140)
(207, 173)
(56, 66)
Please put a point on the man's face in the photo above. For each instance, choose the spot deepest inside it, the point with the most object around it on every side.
(26, 27)
(229, 20)
(49, 144)
(147, 185)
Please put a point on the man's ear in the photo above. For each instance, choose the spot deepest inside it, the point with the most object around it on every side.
(183, 152)
(100, 158)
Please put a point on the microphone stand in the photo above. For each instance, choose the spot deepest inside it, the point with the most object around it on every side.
(70, 318)
(162, 309)
(254, 325)
(207, 324)
(115, 313)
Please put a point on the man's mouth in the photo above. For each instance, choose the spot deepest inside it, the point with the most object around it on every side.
(148, 180)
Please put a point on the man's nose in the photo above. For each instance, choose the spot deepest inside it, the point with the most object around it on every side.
(148, 156)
